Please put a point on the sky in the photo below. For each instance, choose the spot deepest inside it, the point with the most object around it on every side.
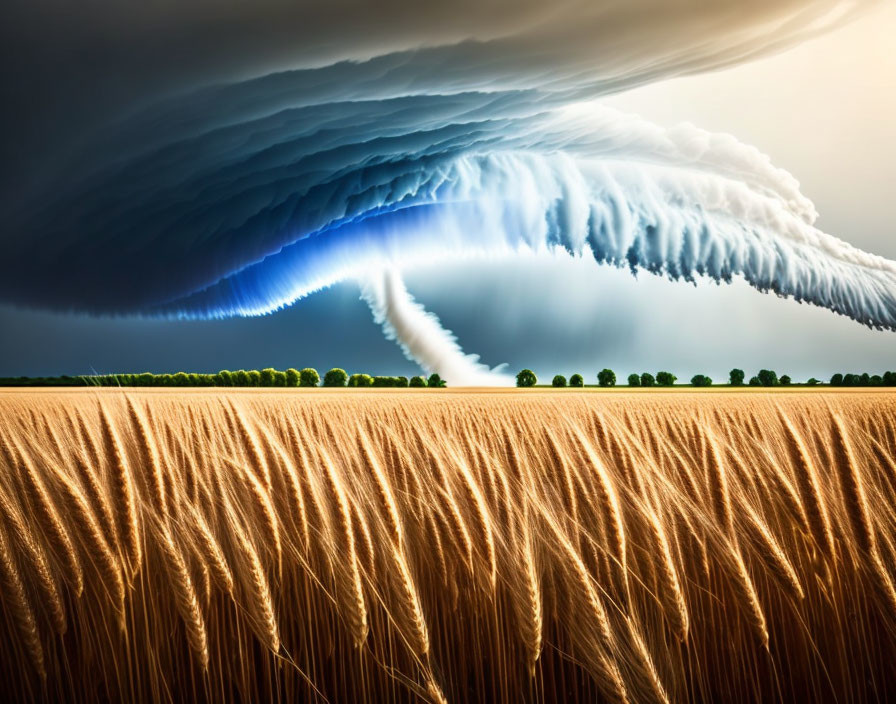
(822, 111)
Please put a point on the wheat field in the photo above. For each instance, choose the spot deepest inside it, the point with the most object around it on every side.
(455, 546)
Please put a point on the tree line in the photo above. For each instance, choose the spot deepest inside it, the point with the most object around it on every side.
(269, 377)
(737, 377)
(337, 377)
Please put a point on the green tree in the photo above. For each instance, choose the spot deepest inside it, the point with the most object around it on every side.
(877, 380)
(647, 379)
(754, 381)
(292, 377)
(224, 378)
(785, 380)
(767, 377)
(526, 378)
(577, 381)
(435, 382)
(736, 377)
(335, 377)
(280, 379)
(181, 379)
(559, 381)
(837, 380)
(606, 377)
(889, 378)
(666, 378)
(360, 380)
(309, 377)
(812, 382)
(418, 382)
(634, 379)
(254, 377)
(701, 380)
(267, 377)
(401, 382)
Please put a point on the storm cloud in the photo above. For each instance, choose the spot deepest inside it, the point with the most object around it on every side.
(217, 159)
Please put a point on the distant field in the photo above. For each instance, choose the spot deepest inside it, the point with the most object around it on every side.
(462, 545)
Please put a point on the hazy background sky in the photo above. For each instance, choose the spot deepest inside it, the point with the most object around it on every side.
(824, 111)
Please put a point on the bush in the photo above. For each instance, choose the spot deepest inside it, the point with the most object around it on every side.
(647, 379)
(267, 377)
(280, 379)
(665, 378)
(784, 380)
(837, 380)
(754, 381)
(418, 382)
(181, 379)
(224, 378)
(360, 380)
(309, 377)
(576, 380)
(701, 380)
(292, 377)
(813, 382)
(526, 378)
(606, 377)
(335, 377)
(435, 382)
(401, 382)
(389, 381)
(254, 378)
(559, 381)
(767, 377)
(736, 377)
(634, 380)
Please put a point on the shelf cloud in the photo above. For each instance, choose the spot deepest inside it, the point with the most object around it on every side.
(208, 159)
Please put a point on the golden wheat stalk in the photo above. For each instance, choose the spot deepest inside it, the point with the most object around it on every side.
(611, 512)
(48, 517)
(853, 492)
(150, 459)
(810, 490)
(184, 595)
(17, 600)
(353, 595)
(44, 579)
(474, 546)
(670, 593)
(126, 502)
(260, 604)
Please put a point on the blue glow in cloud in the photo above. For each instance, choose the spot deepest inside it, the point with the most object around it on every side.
(242, 198)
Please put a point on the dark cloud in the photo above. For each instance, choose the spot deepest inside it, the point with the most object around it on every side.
(208, 159)
(68, 69)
